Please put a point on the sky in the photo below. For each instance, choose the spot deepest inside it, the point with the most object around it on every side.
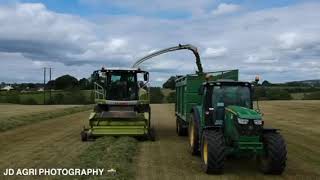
(278, 40)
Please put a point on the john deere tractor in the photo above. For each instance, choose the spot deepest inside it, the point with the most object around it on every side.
(221, 122)
(122, 104)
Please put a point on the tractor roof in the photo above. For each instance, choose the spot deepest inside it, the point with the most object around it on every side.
(115, 69)
(228, 82)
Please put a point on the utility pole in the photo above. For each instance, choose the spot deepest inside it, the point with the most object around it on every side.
(44, 85)
(50, 85)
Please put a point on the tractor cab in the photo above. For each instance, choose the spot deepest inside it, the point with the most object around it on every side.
(219, 96)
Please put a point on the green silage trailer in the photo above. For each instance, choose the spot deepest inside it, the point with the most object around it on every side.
(187, 94)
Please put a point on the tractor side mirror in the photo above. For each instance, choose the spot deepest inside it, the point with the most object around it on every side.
(200, 90)
(146, 76)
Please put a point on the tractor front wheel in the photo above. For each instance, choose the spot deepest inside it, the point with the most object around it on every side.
(212, 151)
(274, 159)
(193, 136)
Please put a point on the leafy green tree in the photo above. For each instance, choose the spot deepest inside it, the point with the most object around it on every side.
(277, 94)
(171, 97)
(170, 83)
(84, 84)
(312, 96)
(66, 82)
(266, 83)
(156, 95)
(51, 84)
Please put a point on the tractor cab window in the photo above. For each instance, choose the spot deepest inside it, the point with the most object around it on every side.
(224, 96)
(122, 86)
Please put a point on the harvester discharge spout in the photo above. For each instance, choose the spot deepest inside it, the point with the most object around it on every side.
(175, 48)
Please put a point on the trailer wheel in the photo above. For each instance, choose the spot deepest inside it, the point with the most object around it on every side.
(274, 159)
(181, 131)
(193, 136)
(212, 151)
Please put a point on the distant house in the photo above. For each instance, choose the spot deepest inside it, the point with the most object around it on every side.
(40, 89)
(7, 88)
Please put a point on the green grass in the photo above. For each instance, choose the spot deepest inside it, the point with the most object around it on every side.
(20, 120)
(36, 97)
(110, 152)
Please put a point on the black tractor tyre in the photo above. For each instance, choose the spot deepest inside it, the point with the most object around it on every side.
(84, 136)
(180, 129)
(213, 151)
(274, 160)
(193, 135)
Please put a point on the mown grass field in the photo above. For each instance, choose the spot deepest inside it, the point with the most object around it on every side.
(13, 116)
(38, 97)
(56, 143)
(10, 110)
(169, 158)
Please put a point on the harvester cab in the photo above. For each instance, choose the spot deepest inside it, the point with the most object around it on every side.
(122, 104)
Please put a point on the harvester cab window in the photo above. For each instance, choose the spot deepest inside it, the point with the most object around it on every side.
(122, 86)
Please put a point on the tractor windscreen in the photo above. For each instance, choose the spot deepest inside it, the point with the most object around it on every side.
(121, 86)
(231, 95)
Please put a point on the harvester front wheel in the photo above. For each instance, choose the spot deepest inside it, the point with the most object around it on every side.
(274, 159)
(193, 136)
(212, 151)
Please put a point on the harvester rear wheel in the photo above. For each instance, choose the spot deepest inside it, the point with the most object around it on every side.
(193, 136)
(212, 151)
(274, 160)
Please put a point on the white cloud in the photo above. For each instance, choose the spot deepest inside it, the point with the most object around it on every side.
(274, 43)
(256, 59)
(214, 52)
(225, 8)
(288, 40)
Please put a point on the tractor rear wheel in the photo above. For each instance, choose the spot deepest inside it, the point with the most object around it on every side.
(274, 159)
(193, 135)
(213, 151)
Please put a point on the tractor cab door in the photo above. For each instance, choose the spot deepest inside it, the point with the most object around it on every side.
(208, 111)
(218, 105)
